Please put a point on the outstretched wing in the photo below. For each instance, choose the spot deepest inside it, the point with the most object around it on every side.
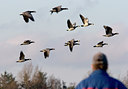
(27, 41)
(100, 43)
(58, 8)
(26, 19)
(22, 56)
(108, 29)
(31, 11)
(46, 53)
(84, 20)
(69, 24)
(71, 46)
(31, 17)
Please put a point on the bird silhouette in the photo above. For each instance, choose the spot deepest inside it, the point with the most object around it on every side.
(71, 26)
(108, 31)
(58, 9)
(100, 44)
(72, 43)
(85, 21)
(22, 58)
(27, 15)
(27, 42)
(47, 52)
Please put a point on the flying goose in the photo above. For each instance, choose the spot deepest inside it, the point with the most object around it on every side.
(27, 42)
(72, 43)
(22, 58)
(85, 21)
(58, 9)
(108, 31)
(100, 44)
(27, 15)
(47, 51)
(71, 26)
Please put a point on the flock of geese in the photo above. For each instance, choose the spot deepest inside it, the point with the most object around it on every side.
(27, 15)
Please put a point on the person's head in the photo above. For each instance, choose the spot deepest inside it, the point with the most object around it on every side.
(99, 61)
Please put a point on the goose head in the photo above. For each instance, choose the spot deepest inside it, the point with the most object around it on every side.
(105, 44)
(90, 23)
(32, 42)
(115, 33)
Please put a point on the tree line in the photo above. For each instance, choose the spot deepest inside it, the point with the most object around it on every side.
(33, 78)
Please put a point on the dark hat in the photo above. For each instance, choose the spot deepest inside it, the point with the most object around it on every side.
(100, 58)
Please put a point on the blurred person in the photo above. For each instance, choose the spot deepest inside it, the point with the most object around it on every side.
(99, 78)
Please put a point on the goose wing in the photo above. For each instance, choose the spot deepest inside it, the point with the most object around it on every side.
(100, 43)
(46, 53)
(31, 11)
(26, 19)
(22, 56)
(69, 24)
(58, 8)
(31, 17)
(71, 46)
(108, 30)
(27, 41)
(84, 20)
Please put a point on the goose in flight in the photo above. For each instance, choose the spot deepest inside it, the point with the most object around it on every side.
(71, 26)
(22, 58)
(27, 15)
(47, 52)
(58, 9)
(27, 42)
(72, 43)
(108, 31)
(85, 21)
(100, 44)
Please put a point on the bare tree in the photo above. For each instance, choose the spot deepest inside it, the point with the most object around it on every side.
(7, 81)
(53, 83)
(25, 76)
(71, 86)
(31, 78)
(39, 79)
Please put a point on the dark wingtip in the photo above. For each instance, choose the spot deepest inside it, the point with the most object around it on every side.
(70, 50)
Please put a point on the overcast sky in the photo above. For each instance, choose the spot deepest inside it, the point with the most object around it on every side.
(50, 31)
